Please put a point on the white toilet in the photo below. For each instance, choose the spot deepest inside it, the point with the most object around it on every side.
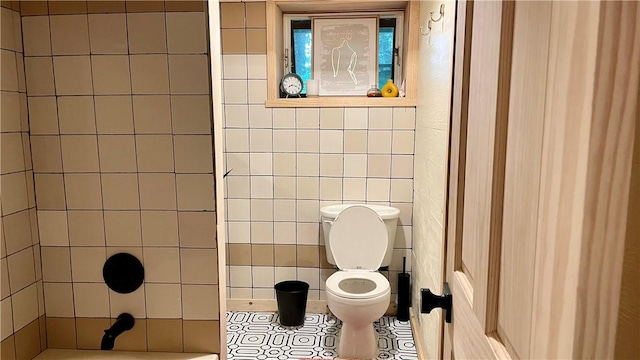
(358, 241)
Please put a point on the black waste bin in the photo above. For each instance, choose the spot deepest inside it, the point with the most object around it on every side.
(292, 301)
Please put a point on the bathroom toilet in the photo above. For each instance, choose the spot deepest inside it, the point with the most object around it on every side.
(358, 294)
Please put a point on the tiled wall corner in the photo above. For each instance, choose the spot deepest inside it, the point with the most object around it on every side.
(21, 298)
(123, 161)
(287, 163)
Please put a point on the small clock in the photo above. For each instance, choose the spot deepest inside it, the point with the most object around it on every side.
(291, 85)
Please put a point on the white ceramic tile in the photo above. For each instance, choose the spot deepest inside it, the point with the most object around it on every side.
(307, 141)
(72, 75)
(308, 164)
(263, 276)
(284, 118)
(200, 302)
(260, 117)
(284, 232)
(307, 210)
(332, 118)
(257, 91)
(237, 140)
(380, 118)
(260, 140)
(163, 301)
(236, 116)
(21, 269)
(108, 33)
(402, 166)
(87, 263)
(36, 38)
(402, 190)
(379, 142)
(354, 189)
(59, 299)
(307, 118)
(52, 227)
(240, 293)
(261, 186)
(25, 307)
(284, 210)
(257, 66)
(261, 164)
(132, 303)
(238, 187)
(331, 141)
(234, 66)
(238, 209)
(403, 142)
(284, 140)
(330, 188)
(308, 188)
(284, 274)
(263, 293)
(261, 232)
(378, 189)
(237, 163)
(239, 232)
(69, 34)
(4, 278)
(6, 311)
(331, 165)
(284, 187)
(309, 275)
(235, 91)
(186, 32)
(240, 276)
(261, 210)
(8, 38)
(355, 118)
(162, 265)
(355, 165)
(404, 118)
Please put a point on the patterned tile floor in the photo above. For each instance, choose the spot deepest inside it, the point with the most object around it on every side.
(252, 336)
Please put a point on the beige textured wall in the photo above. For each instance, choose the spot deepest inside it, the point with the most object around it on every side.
(432, 137)
(119, 100)
(22, 303)
(628, 336)
(287, 163)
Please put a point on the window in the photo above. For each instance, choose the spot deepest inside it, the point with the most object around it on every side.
(298, 46)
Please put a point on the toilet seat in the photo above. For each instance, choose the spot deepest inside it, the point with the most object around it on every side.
(333, 284)
(358, 239)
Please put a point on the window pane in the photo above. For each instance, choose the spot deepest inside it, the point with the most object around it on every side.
(385, 55)
(302, 55)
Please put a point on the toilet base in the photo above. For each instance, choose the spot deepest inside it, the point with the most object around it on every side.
(358, 342)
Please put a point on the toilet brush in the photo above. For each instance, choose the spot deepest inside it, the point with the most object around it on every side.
(404, 292)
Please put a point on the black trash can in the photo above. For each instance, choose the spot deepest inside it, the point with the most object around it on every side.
(292, 301)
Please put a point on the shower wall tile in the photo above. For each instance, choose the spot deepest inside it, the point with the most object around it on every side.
(122, 151)
(287, 163)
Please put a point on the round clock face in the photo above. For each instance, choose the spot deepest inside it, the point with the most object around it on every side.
(291, 84)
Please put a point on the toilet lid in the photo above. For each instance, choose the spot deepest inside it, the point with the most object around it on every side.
(358, 239)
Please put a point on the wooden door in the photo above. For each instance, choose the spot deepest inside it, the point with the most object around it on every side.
(544, 108)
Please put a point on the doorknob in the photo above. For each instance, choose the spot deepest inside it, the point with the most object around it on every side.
(431, 301)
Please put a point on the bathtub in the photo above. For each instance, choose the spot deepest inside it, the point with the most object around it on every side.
(59, 354)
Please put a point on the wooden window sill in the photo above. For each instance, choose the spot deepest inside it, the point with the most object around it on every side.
(340, 101)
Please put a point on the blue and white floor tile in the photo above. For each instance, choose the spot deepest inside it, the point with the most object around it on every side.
(252, 336)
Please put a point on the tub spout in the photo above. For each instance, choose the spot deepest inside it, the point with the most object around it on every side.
(123, 323)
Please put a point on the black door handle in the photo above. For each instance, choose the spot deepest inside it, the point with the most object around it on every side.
(430, 301)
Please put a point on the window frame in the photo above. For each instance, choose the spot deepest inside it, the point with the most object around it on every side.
(398, 15)
(275, 9)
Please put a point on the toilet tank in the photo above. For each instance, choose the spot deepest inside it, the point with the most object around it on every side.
(387, 213)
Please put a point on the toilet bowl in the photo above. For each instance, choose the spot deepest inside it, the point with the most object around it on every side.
(357, 294)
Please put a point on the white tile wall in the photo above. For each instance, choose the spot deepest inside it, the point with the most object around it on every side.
(287, 163)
